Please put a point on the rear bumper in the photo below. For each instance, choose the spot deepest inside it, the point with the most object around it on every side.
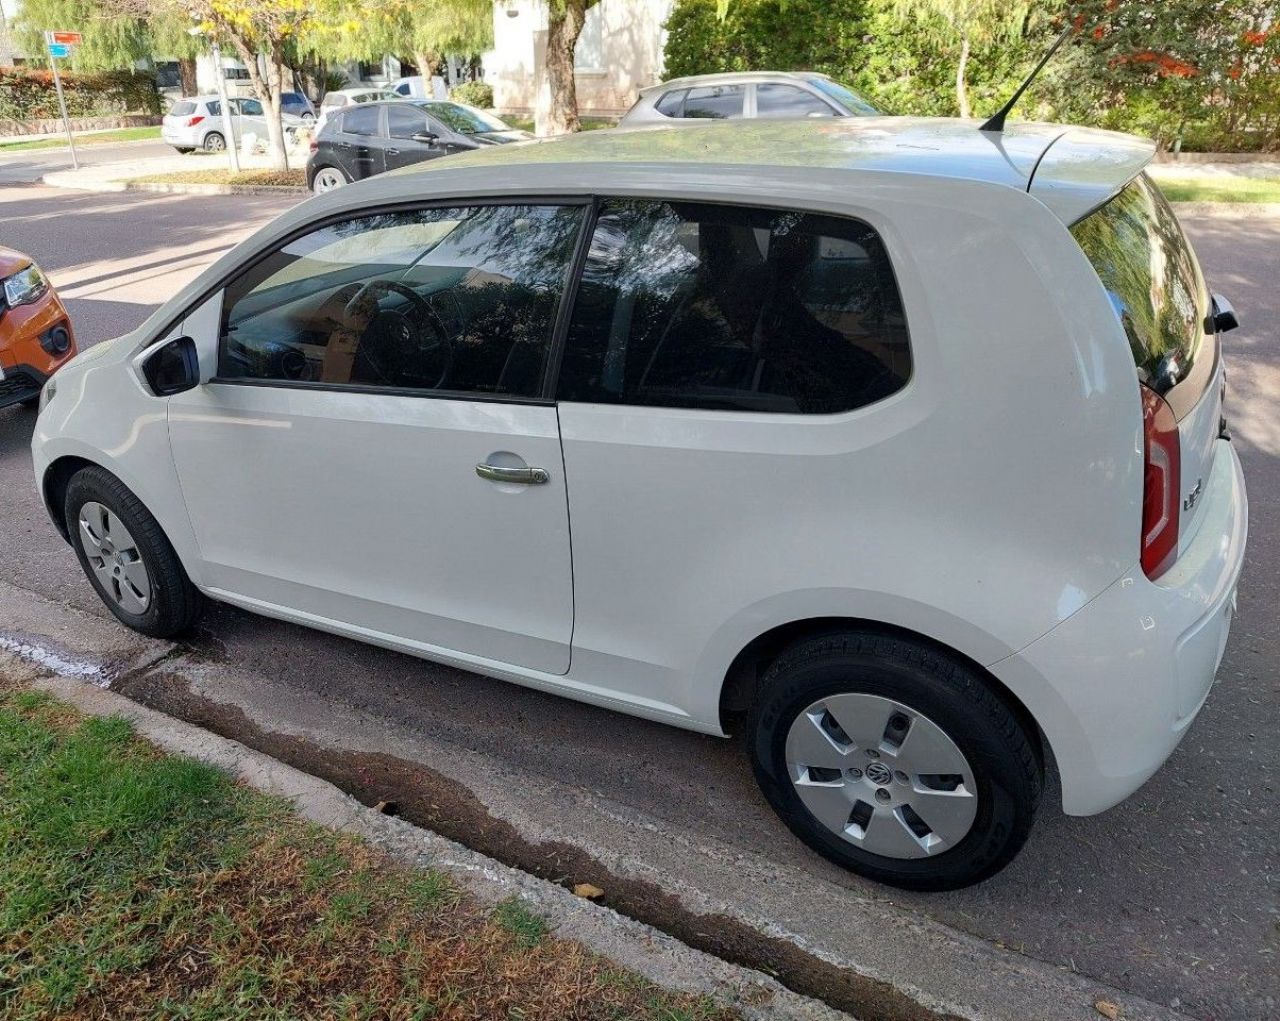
(1115, 686)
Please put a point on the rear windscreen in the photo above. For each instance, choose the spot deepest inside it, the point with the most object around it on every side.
(1154, 283)
(182, 109)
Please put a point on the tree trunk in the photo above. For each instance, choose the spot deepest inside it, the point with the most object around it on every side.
(268, 92)
(962, 90)
(564, 25)
(426, 61)
(187, 74)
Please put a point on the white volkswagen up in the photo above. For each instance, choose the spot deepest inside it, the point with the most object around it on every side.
(897, 443)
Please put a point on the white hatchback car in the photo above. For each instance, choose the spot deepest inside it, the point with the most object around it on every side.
(896, 443)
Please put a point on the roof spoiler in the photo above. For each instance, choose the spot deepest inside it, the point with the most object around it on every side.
(996, 123)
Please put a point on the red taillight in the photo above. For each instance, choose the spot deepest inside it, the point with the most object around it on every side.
(1161, 484)
(314, 145)
(193, 121)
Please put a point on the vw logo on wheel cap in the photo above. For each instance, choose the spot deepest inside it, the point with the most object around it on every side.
(878, 772)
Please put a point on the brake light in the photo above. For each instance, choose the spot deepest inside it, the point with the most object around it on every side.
(314, 145)
(1161, 484)
(193, 121)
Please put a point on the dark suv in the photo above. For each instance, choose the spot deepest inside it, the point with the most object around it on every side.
(367, 139)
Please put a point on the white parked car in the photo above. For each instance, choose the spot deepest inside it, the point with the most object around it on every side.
(901, 449)
(197, 122)
(340, 99)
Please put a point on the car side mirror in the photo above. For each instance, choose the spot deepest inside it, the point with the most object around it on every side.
(1224, 316)
(173, 368)
(426, 137)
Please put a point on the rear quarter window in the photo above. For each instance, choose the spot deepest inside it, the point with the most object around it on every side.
(182, 109)
(723, 308)
(1154, 283)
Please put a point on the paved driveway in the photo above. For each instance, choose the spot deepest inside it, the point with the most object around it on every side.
(1172, 895)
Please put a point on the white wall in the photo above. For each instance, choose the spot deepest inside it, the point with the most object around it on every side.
(619, 52)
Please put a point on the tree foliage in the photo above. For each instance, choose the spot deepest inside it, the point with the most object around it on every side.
(1206, 72)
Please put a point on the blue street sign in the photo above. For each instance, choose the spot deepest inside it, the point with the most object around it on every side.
(59, 50)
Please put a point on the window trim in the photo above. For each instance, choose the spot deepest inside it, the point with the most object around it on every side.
(559, 326)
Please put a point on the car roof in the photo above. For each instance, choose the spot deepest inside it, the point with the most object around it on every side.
(1072, 170)
(731, 78)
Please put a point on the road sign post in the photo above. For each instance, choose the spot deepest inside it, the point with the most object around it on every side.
(59, 45)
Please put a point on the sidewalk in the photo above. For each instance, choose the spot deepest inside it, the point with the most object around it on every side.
(121, 175)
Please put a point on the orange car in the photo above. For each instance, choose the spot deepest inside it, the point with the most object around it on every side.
(35, 330)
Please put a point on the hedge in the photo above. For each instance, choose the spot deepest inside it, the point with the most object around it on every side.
(29, 94)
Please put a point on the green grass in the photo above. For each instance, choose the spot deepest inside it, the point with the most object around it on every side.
(98, 138)
(293, 178)
(588, 123)
(1220, 189)
(137, 884)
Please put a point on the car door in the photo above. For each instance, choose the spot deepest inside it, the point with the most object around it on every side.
(404, 122)
(252, 117)
(376, 453)
(361, 141)
(714, 396)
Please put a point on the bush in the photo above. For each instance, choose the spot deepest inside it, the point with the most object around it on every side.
(29, 94)
(474, 93)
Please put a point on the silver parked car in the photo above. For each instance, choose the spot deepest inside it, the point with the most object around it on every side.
(197, 122)
(761, 94)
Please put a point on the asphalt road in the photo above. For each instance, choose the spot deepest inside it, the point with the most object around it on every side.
(1172, 895)
(29, 165)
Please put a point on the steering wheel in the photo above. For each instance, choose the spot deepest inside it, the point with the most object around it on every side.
(394, 339)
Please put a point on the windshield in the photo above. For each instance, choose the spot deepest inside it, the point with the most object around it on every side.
(1152, 278)
(465, 119)
(846, 97)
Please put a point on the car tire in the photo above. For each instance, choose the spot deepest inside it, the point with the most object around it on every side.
(214, 142)
(973, 769)
(123, 551)
(327, 179)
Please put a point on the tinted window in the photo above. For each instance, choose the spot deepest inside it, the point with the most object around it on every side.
(789, 101)
(404, 121)
(362, 120)
(715, 102)
(464, 119)
(250, 107)
(1152, 279)
(670, 103)
(846, 97)
(214, 106)
(701, 306)
(456, 299)
(182, 109)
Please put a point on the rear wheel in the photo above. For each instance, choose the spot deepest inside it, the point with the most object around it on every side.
(126, 556)
(214, 142)
(326, 179)
(894, 760)
(184, 149)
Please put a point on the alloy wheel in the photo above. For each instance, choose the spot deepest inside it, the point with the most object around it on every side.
(114, 558)
(881, 776)
(328, 179)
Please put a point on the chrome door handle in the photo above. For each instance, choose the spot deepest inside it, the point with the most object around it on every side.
(392, 152)
(520, 476)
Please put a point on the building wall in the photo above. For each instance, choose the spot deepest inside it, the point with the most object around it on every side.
(619, 53)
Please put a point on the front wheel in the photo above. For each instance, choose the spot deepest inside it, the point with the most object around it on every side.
(126, 556)
(895, 760)
(327, 179)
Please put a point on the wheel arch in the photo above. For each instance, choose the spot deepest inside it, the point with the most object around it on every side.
(53, 487)
(742, 681)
